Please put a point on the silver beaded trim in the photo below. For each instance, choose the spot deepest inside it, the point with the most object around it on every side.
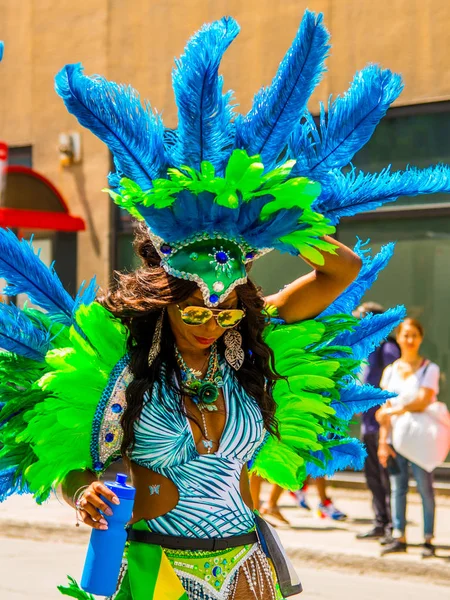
(110, 424)
(203, 589)
(122, 573)
(243, 246)
(216, 236)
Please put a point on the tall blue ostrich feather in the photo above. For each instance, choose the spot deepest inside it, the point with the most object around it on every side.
(205, 117)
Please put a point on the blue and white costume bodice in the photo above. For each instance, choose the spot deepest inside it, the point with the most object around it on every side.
(210, 503)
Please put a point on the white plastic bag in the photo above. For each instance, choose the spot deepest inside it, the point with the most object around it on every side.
(423, 437)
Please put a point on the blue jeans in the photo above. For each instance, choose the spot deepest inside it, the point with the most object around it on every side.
(399, 490)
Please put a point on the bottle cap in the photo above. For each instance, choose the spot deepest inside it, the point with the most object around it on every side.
(120, 487)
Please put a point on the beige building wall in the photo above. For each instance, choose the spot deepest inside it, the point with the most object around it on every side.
(135, 41)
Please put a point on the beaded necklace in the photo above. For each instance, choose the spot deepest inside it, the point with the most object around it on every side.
(204, 392)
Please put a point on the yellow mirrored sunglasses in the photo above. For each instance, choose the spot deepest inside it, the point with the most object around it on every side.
(199, 315)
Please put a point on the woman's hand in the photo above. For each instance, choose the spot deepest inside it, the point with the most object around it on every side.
(384, 452)
(91, 503)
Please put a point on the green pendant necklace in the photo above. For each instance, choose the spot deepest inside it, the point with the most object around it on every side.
(204, 392)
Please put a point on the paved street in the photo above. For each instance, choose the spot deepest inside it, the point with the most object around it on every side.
(34, 557)
(32, 569)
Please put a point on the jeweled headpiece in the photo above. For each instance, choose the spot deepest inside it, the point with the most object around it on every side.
(222, 189)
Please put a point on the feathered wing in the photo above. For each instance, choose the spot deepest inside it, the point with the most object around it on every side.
(356, 192)
(346, 126)
(18, 375)
(370, 331)
(115, 114)
(43, 433)
(25, 337)
(81, 370)
(205, 117)
(50, 361)
(25, 273)
(351, 298)
(277, 109)
(319, 360)
(19, 335)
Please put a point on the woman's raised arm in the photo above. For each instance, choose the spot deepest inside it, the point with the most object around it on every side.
(308, 296)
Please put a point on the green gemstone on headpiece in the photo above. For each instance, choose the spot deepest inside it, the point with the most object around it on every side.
(193, 256)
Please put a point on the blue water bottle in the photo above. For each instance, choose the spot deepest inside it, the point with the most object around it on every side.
(104, 555)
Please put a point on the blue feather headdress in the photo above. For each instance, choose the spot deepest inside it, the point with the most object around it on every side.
(242, 185)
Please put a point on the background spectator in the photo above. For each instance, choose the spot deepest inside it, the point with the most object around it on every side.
(415, 380)
(377, 477)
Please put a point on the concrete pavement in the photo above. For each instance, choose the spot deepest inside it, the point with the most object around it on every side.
(33, 569)
(309, 539)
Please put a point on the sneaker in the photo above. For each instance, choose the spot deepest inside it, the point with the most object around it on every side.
(327, 509)
(373, 534)
(428, 550)
(394, 547)
(300, 497)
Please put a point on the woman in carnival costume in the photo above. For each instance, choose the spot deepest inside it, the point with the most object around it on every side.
(182, 367)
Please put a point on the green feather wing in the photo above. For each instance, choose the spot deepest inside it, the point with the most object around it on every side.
(50, 410)
(312, 374)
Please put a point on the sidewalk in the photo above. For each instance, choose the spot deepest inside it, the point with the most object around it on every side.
(309, 540)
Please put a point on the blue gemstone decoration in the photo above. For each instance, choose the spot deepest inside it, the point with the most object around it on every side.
(109, 437)
(221, 257)
(250, 255)
(214, 298)
(217, 583)
(207, 565)
(216, 571)
(166, 249)
(116, 408)
(98, 417)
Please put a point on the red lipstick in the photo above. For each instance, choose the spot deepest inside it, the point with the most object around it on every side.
(205, 341)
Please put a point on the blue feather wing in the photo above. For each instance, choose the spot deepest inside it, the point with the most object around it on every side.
(19, 335)
(277, 109)
(26, 273)
(11, 483)
(114, 113)
(370, 331)
(371, 267)
(347, 453)
(347, 125)
(356, 398)
(357, 192)
(205, 115)
(86, 295)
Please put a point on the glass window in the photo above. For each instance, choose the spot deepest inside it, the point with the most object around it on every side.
(21, 156)
(412, 139)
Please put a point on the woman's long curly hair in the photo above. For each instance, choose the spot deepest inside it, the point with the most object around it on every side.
(138, 298)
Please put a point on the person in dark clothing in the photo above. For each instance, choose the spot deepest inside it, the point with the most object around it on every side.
(377, 477)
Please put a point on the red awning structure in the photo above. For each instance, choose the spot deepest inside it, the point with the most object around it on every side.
(31, 201)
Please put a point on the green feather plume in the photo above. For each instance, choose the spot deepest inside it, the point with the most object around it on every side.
(51, 434)
(312, 376)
